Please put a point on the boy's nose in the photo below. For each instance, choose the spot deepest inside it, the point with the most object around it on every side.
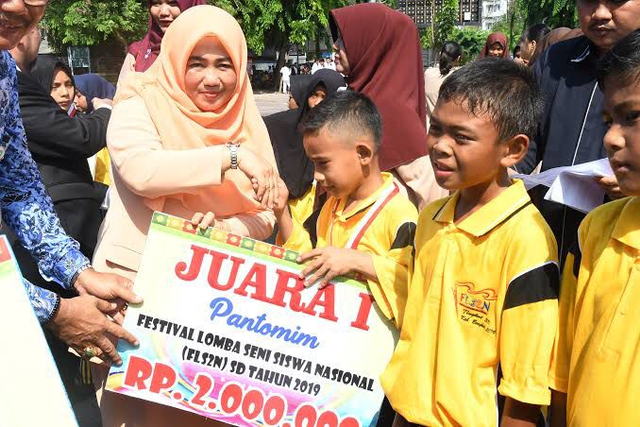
(613, 139)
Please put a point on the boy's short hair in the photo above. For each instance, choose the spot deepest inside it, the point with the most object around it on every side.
(507, 92)
(622, 61)
(346, 111)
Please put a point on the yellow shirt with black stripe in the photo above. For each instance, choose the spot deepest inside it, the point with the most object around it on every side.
(302, 207)
(482, 294)
(597, 361)
(388, 240)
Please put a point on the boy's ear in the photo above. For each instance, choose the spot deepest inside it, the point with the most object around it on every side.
(514, 150)
(365, 151)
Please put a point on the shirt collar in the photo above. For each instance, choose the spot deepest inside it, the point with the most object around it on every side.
(366, 203)
(626, 229)
(488, 217)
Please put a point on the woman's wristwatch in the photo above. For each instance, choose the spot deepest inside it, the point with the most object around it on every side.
(234, 148)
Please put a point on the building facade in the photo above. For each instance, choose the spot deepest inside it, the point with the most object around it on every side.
(492, 12)
(470, 12)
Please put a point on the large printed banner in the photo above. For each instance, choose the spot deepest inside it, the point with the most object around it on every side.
(31, 393)
(228, 331)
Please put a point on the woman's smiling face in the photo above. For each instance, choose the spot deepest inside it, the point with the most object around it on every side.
(210, 78)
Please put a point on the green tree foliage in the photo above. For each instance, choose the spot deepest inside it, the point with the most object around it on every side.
(89, 22)
(280, 23)
(554, 13)
(513, 23)
(472, 40)
(445, 23)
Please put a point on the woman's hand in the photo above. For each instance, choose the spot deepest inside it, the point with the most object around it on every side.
(203, 221)
(263, 176)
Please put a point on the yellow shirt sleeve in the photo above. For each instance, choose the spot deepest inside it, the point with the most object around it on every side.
(529, 319)
(300, 240)
(392, 269)
(526, 343)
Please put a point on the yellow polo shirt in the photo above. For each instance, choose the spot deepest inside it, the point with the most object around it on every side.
(482, 294)
(597, 359)
(389, 240)
(302, 207)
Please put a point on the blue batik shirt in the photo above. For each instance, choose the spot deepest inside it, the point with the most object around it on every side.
(26, 207)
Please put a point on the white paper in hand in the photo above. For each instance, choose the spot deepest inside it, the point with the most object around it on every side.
(573, 186)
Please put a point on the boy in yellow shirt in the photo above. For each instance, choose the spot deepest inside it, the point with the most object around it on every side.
(596, 370)
(366, 227)
(482, 306)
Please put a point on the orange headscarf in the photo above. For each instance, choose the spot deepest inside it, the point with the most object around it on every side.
(183, 126)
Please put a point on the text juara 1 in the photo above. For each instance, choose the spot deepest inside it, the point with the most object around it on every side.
(287, 292)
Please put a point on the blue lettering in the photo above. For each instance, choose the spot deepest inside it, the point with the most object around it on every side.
(221, 307)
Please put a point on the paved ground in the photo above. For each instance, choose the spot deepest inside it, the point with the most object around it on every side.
(269, 103)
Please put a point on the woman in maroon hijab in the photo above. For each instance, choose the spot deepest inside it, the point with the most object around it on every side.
(496, 46)
(143, 53)
(378, 50)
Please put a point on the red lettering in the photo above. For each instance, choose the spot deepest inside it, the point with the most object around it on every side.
(164, 377)
(196, 264)
(366, 301)
(283, 288)
(256, 278)
(138, 371)
(214, 271)
(325, 299)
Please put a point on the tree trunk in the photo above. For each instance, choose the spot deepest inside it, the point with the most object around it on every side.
(433, 24)
(512, 21)
(121, 40)
(282, 56)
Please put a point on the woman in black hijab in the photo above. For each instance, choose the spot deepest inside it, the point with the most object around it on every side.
(296, 170)
(298, 90)
(56, 77)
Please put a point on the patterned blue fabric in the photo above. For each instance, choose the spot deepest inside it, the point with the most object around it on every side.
(26, 207)
(42, 300)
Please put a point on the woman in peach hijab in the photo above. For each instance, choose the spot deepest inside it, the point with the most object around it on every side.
(185, 136)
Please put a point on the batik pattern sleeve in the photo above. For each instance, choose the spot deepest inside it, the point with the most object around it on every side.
(529, 320)
(390, 290)
(26, 207)
(42, 300)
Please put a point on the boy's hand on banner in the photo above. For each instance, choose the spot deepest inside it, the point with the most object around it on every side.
(283, 197)
(328, 263)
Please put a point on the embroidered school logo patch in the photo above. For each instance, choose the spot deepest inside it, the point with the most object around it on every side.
(475, 306)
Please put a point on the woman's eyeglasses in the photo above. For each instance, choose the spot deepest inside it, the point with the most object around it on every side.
(36, 3)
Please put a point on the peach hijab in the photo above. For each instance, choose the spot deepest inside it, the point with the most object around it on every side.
(183, 126)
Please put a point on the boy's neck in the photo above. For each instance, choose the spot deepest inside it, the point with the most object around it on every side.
(369, 185)
(473, 198)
